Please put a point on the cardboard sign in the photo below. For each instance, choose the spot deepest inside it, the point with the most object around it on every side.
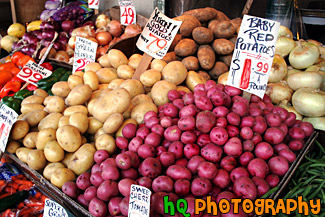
(253, 55)
(85, 52)
(7, 118)
(127, 12)
(53, 209)
(139, 203)
(93, 4)
(158, 34)
(32, 73)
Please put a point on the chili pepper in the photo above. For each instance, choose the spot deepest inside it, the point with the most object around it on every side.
(22, 94)
(47, 66)
(47, 83)
(31, 87)
(20, 205)
(11, 86)
(12, 103)
(4, 195)
(33, 202)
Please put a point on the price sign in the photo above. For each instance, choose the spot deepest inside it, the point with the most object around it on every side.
(253, 55)
(33, 72)
(53, 209)
(158, 34)
(127, 12)
(139, 203)
(93, 4)
(7, 118)
(85, 52)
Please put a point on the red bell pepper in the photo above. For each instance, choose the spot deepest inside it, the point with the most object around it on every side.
(31, 87)
(9, 88)
(47, 66)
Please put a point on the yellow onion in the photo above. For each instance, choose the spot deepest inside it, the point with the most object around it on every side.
(278, 70)
(309, 102)
(72, 42)
(101, 21)
(303, 55)
(284, 46)
(290, 108)
(285, 31)
(305, 79)
(318, 122)
(223, 78)
(279, 92)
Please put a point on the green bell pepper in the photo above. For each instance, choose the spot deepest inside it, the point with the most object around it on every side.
(58, 73)
(47, 83)
(66, 76)
(12, 103)
(22, 94)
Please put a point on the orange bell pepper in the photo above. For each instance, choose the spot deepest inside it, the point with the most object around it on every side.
(5, 76)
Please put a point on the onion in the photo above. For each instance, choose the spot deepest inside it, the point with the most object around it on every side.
(85, 32)
(318, 123)
(284, 104)
(69, 50)
(284, 46)
(115, 39)
(102, 20)
(103, 38)
(305, 79)
(304, 55)
(89, 23)
(285, 31)
(92, 39)
(50, 25)
(317, 43)
(50, 55)
(101, 51)
(50, 5)
(279, 92)
(72, 42)
(48, 34)
(223, 78)
(322, 51)
(115, 28)
(278, 70)
(67, 25)
(323, 85)
(62, 56)
(132, 30)
(309, 102)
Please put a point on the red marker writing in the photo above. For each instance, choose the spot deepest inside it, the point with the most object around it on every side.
(244, 81)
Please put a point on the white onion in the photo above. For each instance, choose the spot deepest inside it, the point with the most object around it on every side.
(309, 102)
(101, 21)
(322, 52)
(322, 88)
(279, 92)
(318, 123)
(305, 79)
(284, 46)
(278, 70)
(223, 78)
(285, 31)
(313, 68)
(317, 43)
(303, 55)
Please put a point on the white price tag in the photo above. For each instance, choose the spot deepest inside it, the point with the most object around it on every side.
(85, 52)
(33, 72)
(253, 55)
(158, 34)
(139, 203)
(7, 118)
(53, 209)
(93, 4)
(127, 12)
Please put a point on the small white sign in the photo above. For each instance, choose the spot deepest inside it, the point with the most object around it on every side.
(85, 52)
(158, 34)
(139, 203)
(33, 72)
(7, 118)
(93, 4)
(253, 55)
(127, 12)
(53, 209)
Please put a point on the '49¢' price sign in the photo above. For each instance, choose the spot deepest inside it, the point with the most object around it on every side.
(127, 12)
(93, 4)
(32, 73)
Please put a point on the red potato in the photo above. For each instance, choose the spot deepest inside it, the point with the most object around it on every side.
(220, 111)
(203, 140)
(81, 200)
(267, 98)
(150, 114)
(165, 143)
(273, 180)
(83, 181)
(200, 187)
(163, 183)
(233, 119)
(233, 131)
(170, 110)
(182, 187)
(283, 113)
(255, 111)
(261, 185)
(217, 97)
(296, 144)
(207, 170)
(178, 172)
(166, 122)
(97, 208)
(284, 128)
(145, 182)
(107, 189)
(199, 87)
(123, 161)
(219, 135)
(225, 195)
(274, 135)
(263, 150)
(150, 167)
(90, 193)
(212, 153)
(260, 125)
(228, 163)
(158, 129)
(245, 188)
(110, 173)
(221, 122)
(273, 120)
(142, 132)
(194, 163)
(191, 150)
(146, 151)
(258, 167)
(96, 168)
(175, 121)
(222, 178)
(186, 123)
(107, 163)
(209, 84)
(177, 148)
(96, 179)
(291, 119)
(172, 133)
(101, 155)
(152, 121)
(135, 160)
(279, 147)
(205, 121)
(237, 173)
(188, 98)
(257, 138)
(124, 186)
(203, 103)
(121, 142)
(71, 189)
(124, 206)
(130, 174)
(167, 159)
(189, 110)
(182, 162)
(198, 92)
(135, 143)
(288, 154)
(188, 137)
(114, 206)
(178, 103)
(246, 133)
(233, 147)
(157, 201)
(160, 149)
(129, 130)
(173, 94)
(240, 107)
(248, 145)
(233, 91)
(297, 123)
(297, 133)
(245, 158)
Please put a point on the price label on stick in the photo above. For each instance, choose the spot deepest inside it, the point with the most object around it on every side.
(158, 34)
(253, 55)
(93, 4)
(139, 202)
(7, 118)
(127, 12)
(85, 52)
(32, 73)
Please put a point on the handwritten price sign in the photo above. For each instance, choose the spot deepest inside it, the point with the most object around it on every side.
(158, 34)
(85, 52)
(139, 202)
(253, 55)
(127, 12)
(7, 118)
(93, 4)
(32, 73)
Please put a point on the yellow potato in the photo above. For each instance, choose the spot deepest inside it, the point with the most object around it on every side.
(194, 79)
(83, 159)
(158, 64)
(91, 79)
(96, 94)
(29, 107)
(54, 104)
(36, 159)
(125, 72)
(61, 89)
(75, 109)
(44, 136)
(53, 151)
(115, 83)
(140, 110)
(99, 132)
(30, 140)
(79, 73)
(64, 120)
(133, 86)
(134, 60)
(104, 61)
(67, 158)
(117, 58)
(12, 146)
(50, 121)
(174, 72)
(40, 92)
(74, 80)
(130, 120)
(106, 75)
(80, 121)
(19, 130)
(93, 67)
(79, 95)
(50, 168)
(106, 142)
(61, 176)
(22, 153)
(93, 125)
(182, 88)
(102, 86)
(33, 118)
(160, 90)
(150, 77)
(33, 99)
(113, 123)
(68, 138)
(141, 98)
